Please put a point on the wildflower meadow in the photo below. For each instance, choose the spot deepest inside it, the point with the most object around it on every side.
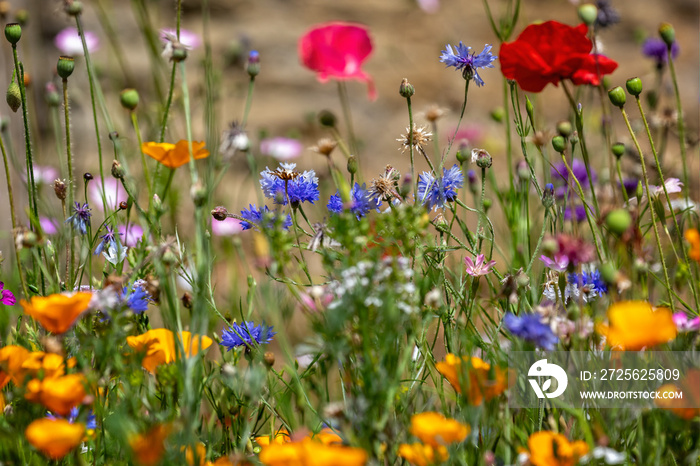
(409, 232)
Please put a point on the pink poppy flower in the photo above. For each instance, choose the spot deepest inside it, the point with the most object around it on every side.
(187, 38)
(114, 193)
(228, 227)
(49, 225)
(337, 50)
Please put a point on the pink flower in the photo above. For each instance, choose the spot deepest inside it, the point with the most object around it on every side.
(479, 268)
(132, 235)
(282, 149)
(673, 185)
(559, 263)
(337, 50)
(49, 225)
(44, 174)
(229, 226)
(69, 43)
(684, 324)
(114, 193)
(187, 38)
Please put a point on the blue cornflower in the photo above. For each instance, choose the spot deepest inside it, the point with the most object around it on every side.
(437, 191)
(136, 298)
(530, 327)
(247, 334)
(591, 282)
(463, 59)
(80, 218)
(90, 424)
(109, 239)
(362, 202)
(254, 218)
(300, 187)
(656, 49)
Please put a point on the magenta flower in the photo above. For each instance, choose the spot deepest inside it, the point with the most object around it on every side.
(69, 43)
(49, 225)
(337, 50)
(187, 38)
(131, 235)
(478, 268)
(282, 149)
(228, 227)
(114, 193)
(684, 324)
(559, 263)
(7, 298)
(44, 174)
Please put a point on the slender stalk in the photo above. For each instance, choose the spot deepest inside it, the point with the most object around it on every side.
(135, 123)
(345, 105)
(410, 147)
(681, 121)
(69, 161)
(13, 215)
(539, 242)
(459, 122)
(168, 103)
(248, 101)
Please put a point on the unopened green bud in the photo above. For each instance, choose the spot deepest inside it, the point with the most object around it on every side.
(117, 170)
(488, 202)
(618, 149)
(406, 89)
(65, 67)
(327, 118)
(129, 99)
(564, 128)
(617, 96)
(14, 96)
(198, 194)
(179, 54)
(667, 33)
(608, 272)
(22, 16)
(483, 158)
(253, 65)
(13, 33)
(634, 86)
(640, 190)
(530, 109)
(74, 8)
(559, 144)
(618, 221)
(461, 156)
(497, 114)
(588, 13)
(352, 164)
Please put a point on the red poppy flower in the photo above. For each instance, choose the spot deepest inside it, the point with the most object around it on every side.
(549, 52)
(337, 50)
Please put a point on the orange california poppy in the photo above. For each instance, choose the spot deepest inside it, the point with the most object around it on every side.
(308, 452)
(435, 430)
(636, 324)
(54, 437)
(160, 348)
(58, 394)
(551, 449)
(420, 454)
(693, 237)
(36, 362)
(148, 448)
(11, 359)
(57, 312)
(481, 383)
(174, 155)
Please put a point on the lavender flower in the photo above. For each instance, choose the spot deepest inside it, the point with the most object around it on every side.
(463, 59)
(480, 267)
(68, 41)
(559, 263)
(113, 190)
(80, 218)
(6, 296)
(247, 334)
(48, 225)
(362, 202)
(560, 176)
(656, 49)
(530, 328)
(255, 216)
(132, 234)
(436, 192)
(578, 213)
(285, 182)
(136, 298)
(108, 240)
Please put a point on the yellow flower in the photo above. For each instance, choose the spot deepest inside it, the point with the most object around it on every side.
(422, 455)
(38, 362)
(159, 345)
(57, 312)
(148, 448)
(280, 437)
(11, 359)
(58, 394)
(636, 324)
(435, 430)
(693, 237)
(174, 155)
(201, 454)
(552, 449)
(54, 437)
(308, 452)
(480, 384)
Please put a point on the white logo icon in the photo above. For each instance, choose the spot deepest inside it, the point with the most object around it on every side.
(542, 369)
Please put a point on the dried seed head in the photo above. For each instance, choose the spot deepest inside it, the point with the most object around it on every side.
(434, 113)
(325, 146)
(421, 136)
(59, 187)
(386, 187)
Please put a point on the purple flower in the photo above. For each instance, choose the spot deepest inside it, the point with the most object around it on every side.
(560, 176)
(630, 185)
(113, 190)
(607, 15)
(80, 218)
(684, 324)
(255, 216)
(656, 49)
(132, 235)
(136, 298)
(247, 334)
(282, 149)
(49, 225)
(90, 424)
(559, 263)
(44, 174)
(187, 38)
(463, 59)
(284, 181)
(6, 296)
(478, 268)
(578, 214)
(69, 43)
(362, 202)
(227, 227)
(530, 328)
(436, 192)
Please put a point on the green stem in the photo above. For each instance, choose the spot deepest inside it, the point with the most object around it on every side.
(459, 122)
(539, 243)
(248, 101)
(345, 104)
(13, 215)
(410, 147)
(151, 188)
(681, 121)
(69, 161)
(168, 103)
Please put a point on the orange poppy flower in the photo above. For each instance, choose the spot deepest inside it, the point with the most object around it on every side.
(174, 155)
(54, 437)
(36, 362)
(685, 407)
(435, 430)
(552, 449)
(148, 448)
(11, 359)
(482, 382)
(280, 437)
(57, 312)
(420, 454)
(308, 452)
(160, 348)
(636, 324)
(58, 394)
(693, 237)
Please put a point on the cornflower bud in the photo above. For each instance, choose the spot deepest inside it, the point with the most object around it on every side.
(117, 170)
(548, 195)
(406, 89)
(253, 65)
(352, 164)
(667, 33)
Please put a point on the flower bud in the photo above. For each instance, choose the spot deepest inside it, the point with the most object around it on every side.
(113, 136)
(253, 65)
(497, 114)
(187, 300)
(13, 33)
(73, 8)
(198, 194)
(488, 202)
(559, 144)
(87, 176)
(14, 96)
(588, 13)
(483, 158)
(352, 164)
(548, 195)
(608, 273)
(564, 128)
(634, 86)
(406, 89)
(327, 118)
(472, 182)
(59, 187)
(666, 31)
(640, 190)
(219, 213)
(123, 205)
(522, 170)
(530, 109)
(179, 54)
(618, 150)
(158, 204)
(22, 16)
(52, 97)
(129, 99)
(117, 170)
(462, 151)
(618, 221)
(269, 358)
(617, 96)
(65, 67)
